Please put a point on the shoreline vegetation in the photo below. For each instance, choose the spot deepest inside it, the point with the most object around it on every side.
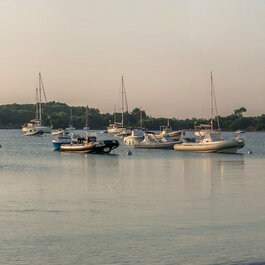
(13, 116)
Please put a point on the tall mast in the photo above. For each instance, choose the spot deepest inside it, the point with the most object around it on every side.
(122, 101)
(37, 104)
(40, 116)
(213, 103)
(141, 119)
(71, 116)
(114, 114)
(211, 100)
(125, 96)
(86, 115)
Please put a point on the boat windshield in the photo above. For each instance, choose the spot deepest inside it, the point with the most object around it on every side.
(213, 137)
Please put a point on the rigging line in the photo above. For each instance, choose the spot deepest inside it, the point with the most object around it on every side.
(42, 86)
(211, 96)
(40, 114)
(214, 97)
(122, 102)
(37, 106)
(125, 97)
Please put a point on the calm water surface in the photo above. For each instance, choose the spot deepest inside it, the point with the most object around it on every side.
(154, 207)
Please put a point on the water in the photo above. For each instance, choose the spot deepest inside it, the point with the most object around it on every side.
(154, 207)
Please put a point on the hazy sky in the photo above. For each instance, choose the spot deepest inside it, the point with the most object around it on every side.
(164, 48)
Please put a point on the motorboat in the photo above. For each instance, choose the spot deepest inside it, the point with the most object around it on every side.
(239, 131)
(60, 131)
(136, 137)
(86, 145)
(37, 122)
(62, 139)
(115, 128)
(212, 142)
(104, 131)
(151, 142)
(166, 131)
(33, 132)
(125, 132)
(70, 128)
(66, 138)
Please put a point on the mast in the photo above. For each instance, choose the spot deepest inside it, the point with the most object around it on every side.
(86, 115)
(37, 104)
(40, 116)
(42, 90)
(141, 119)
(71, 117)
(213, 103)
(122, 101)
(114, 114)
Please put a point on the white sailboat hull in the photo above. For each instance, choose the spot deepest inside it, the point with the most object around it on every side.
(38, 128)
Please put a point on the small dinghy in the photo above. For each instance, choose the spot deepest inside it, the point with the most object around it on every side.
(239, 131)
(151, 142)
(90, 145)
(213, 142)
(60, 132)
(66, 138)
(33, 132)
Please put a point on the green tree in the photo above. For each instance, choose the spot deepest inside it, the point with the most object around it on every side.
(239, 112)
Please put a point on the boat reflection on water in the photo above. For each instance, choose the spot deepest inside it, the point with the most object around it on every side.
(209, 175)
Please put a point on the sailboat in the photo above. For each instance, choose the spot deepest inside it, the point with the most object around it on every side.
(36, 124)
(71, 127)
(118, 127)
(203, 129)
(86, 127)
(213, 141)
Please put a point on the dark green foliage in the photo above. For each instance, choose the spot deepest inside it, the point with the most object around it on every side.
(260, 127)
(58, 114)
(239, 112)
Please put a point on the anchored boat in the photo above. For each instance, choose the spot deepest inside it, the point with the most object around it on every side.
(166, 131)
(33, 132)
(151, 142)
(66, 138)
(213, 142)
(60, 131)
(90, 145)
(136, 137)
(37, 122)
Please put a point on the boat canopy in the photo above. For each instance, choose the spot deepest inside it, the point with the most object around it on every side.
(139, 133)
(213, 137)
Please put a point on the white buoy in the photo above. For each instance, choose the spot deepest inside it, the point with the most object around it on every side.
(129, 153)
(250, 152)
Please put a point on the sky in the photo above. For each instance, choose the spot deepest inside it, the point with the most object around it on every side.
(165, 49)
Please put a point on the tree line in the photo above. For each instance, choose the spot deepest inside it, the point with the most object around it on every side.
(57, 114)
